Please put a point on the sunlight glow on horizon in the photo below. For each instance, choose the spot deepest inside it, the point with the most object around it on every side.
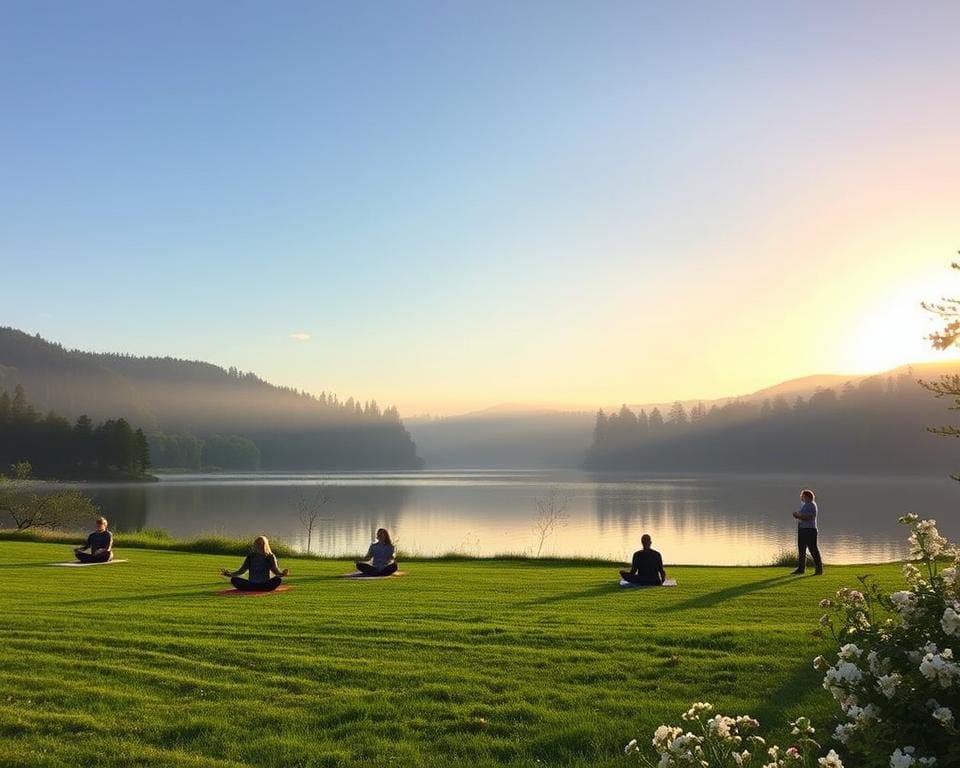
(446, 207)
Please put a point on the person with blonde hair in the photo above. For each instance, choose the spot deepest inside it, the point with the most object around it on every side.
(261, 563)
(100, 544)
(382, 554)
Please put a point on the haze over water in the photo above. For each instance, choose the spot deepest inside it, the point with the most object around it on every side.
(710, 519)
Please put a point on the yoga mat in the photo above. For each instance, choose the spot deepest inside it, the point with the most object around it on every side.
(667, 583)
(244, 593)
(84, 565)
(360, 577)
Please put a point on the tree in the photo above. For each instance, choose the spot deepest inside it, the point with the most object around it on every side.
(29, 509)
(142, 451)
(656, 419)
(949, 311)
(678, 415)
(698, 413)
(83, 442)
(551, 515)
(948, 385)
(309, 510)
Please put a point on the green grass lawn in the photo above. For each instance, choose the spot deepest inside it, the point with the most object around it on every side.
(487, 663)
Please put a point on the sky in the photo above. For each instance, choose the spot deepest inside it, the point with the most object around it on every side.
(446, 206)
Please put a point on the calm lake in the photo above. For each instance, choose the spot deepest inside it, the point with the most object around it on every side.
(711, 519)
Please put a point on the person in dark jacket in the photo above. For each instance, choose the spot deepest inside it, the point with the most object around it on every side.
(381, 555)
(265, 573)
(647, 566)
(100, 544)
(807, 533)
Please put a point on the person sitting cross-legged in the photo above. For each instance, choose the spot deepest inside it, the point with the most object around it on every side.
(261, 562)
(100, 544)
(382, 555)
(647, 566)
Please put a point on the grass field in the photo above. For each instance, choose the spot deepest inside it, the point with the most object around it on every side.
(482, 663)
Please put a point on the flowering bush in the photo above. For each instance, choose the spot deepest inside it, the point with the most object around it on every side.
(719, 741)
(896, 679)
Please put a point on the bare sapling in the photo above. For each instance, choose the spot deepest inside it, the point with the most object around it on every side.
(310, 507)
(551, 515)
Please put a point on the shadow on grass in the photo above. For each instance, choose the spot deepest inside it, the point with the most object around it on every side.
(722, 595)
(802, 683)
(197, 591)
(26, 565)
(601, 589)
(304, 579)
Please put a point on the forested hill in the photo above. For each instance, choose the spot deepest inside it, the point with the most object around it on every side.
(291, 429)
(875, 425)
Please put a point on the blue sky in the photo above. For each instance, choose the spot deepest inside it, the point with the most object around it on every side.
(465, 203)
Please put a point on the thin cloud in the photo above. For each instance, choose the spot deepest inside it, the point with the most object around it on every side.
(301, 336)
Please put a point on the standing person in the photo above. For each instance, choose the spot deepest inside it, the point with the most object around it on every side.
(100, 544)
(382, 553)
(261, 562)
(807, 533)
(647, 565)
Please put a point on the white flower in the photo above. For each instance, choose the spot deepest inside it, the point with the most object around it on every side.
(696, 710)
(908, 519)
(940, 668)
(849, 651)
(631, 747)
(842, 732)
(840, 677)
(832, 760)
(951, 620)
(944, 716)
(870, 712)
(663, 737)
(745, 721)
(926, 542)
(887, 684)
(902, 758)
(801, 727)
(949, 576)
(721, 725)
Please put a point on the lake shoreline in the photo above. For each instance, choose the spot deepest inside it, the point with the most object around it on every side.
(160, 541)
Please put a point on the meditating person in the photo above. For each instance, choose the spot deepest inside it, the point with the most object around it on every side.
(647, 566)
(381, 554)
(261, 562)
(807, 533)
(100, 544)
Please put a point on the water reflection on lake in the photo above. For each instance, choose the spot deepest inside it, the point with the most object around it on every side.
(715, 519)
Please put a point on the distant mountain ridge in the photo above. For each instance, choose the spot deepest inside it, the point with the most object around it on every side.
(536, 436)
(292, 429)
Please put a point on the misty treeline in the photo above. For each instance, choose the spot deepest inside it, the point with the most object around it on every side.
(55, 448)
(876, 425)
(222, 407)
(214, 451)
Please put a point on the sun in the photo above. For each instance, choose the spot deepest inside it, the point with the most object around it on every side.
(894, 329)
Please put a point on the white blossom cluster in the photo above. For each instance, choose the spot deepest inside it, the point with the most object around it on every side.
(721, 741)
(896, 654)
(904, 758)
(895, 680)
